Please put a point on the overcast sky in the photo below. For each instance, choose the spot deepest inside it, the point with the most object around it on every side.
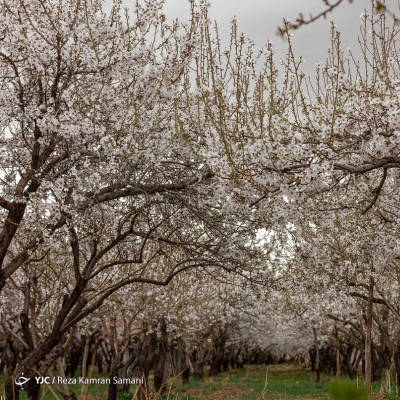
(259, 20)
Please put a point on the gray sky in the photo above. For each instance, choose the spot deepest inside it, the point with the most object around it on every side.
(259, 20)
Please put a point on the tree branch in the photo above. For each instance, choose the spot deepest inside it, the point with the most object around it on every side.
(386, 162)
(377, 301)
(7, 205)
(300, 20)
(114, 192)
(377, 191)
(71, 322)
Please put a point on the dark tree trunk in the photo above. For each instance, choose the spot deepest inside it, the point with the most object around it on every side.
(218, 353)
(337, 350)
(185, 376)
(85, 360)
(33, 389)
(143, 357)
(368, 336)
(396, 359)
(11, 390)
(180, 359)
(311, 352)
(160, 378)
(317, 358)
(2, 280)
(112, 387)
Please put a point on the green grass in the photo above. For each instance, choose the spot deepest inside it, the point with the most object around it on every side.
(284, 382)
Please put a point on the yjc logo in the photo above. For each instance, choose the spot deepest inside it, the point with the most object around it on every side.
(20, 380)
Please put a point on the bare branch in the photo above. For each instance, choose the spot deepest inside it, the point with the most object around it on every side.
(300, 20)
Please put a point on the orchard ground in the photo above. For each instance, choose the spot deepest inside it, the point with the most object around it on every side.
(278, 382)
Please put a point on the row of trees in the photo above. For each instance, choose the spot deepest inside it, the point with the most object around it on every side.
(195, 322)
(140, 162)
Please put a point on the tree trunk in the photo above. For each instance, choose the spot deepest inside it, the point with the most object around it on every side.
(160, 373)
(316, 366)
(67, 393)
(125, 369)
(33, 389)
(368, 336)
(337, 353)
(11, 390)
(86, 355)
(112, 387)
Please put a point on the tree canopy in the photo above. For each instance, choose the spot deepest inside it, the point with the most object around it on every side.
(161, 195)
